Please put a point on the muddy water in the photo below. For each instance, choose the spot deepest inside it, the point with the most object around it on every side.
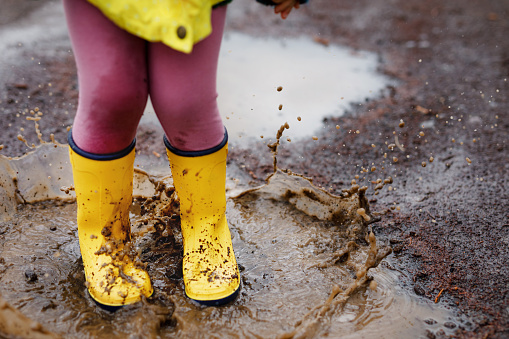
(303, 255)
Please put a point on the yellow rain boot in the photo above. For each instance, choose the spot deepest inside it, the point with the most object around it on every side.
(211, 274)
(103, 185)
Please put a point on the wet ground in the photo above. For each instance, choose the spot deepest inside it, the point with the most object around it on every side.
(445, 214)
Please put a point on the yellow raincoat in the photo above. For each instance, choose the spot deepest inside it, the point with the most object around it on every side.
(177, 23)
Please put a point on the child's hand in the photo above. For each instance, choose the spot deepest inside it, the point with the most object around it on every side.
(285, 7)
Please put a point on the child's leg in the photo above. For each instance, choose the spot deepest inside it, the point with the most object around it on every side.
(112, 76)
(183, 90)
(113, 93)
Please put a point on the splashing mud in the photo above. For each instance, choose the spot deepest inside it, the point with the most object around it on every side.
(308, 262)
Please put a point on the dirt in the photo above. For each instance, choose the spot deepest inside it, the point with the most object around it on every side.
(447, 222)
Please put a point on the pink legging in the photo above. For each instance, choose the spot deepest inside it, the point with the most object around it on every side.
(117, 71)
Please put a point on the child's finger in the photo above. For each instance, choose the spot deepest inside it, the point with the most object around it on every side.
(281, 7)
(285, 13)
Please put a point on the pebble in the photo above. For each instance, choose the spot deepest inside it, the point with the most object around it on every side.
(430, 321)
(30, 276)
(450, 324)
(419, 290)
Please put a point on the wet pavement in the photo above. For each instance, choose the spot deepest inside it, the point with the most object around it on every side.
(445, 214)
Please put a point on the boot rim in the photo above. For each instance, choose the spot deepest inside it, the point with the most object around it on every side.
(100, 157)
(191, 154)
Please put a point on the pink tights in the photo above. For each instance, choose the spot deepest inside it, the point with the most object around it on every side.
(117, 71)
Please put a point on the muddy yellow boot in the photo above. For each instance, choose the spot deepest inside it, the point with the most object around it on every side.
(211, 274)
(104, 185)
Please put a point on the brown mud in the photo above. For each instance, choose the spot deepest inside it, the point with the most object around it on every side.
(447, 222)
(320, 241)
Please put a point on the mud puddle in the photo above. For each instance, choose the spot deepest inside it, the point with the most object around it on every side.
(255, 100)
(308, 263)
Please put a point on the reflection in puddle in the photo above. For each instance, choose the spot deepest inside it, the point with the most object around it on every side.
(302, 251)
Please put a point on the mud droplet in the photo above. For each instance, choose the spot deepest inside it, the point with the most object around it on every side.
(431, 159)
(423, 164)
(362, 213)
(421, 133)
(36, 326)
(299, 118)
(468, 160)
(373, 285)
(280, 107)
(394, 159)
(338, 127)
(401, 123)
(315, 138)
(279, 88)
